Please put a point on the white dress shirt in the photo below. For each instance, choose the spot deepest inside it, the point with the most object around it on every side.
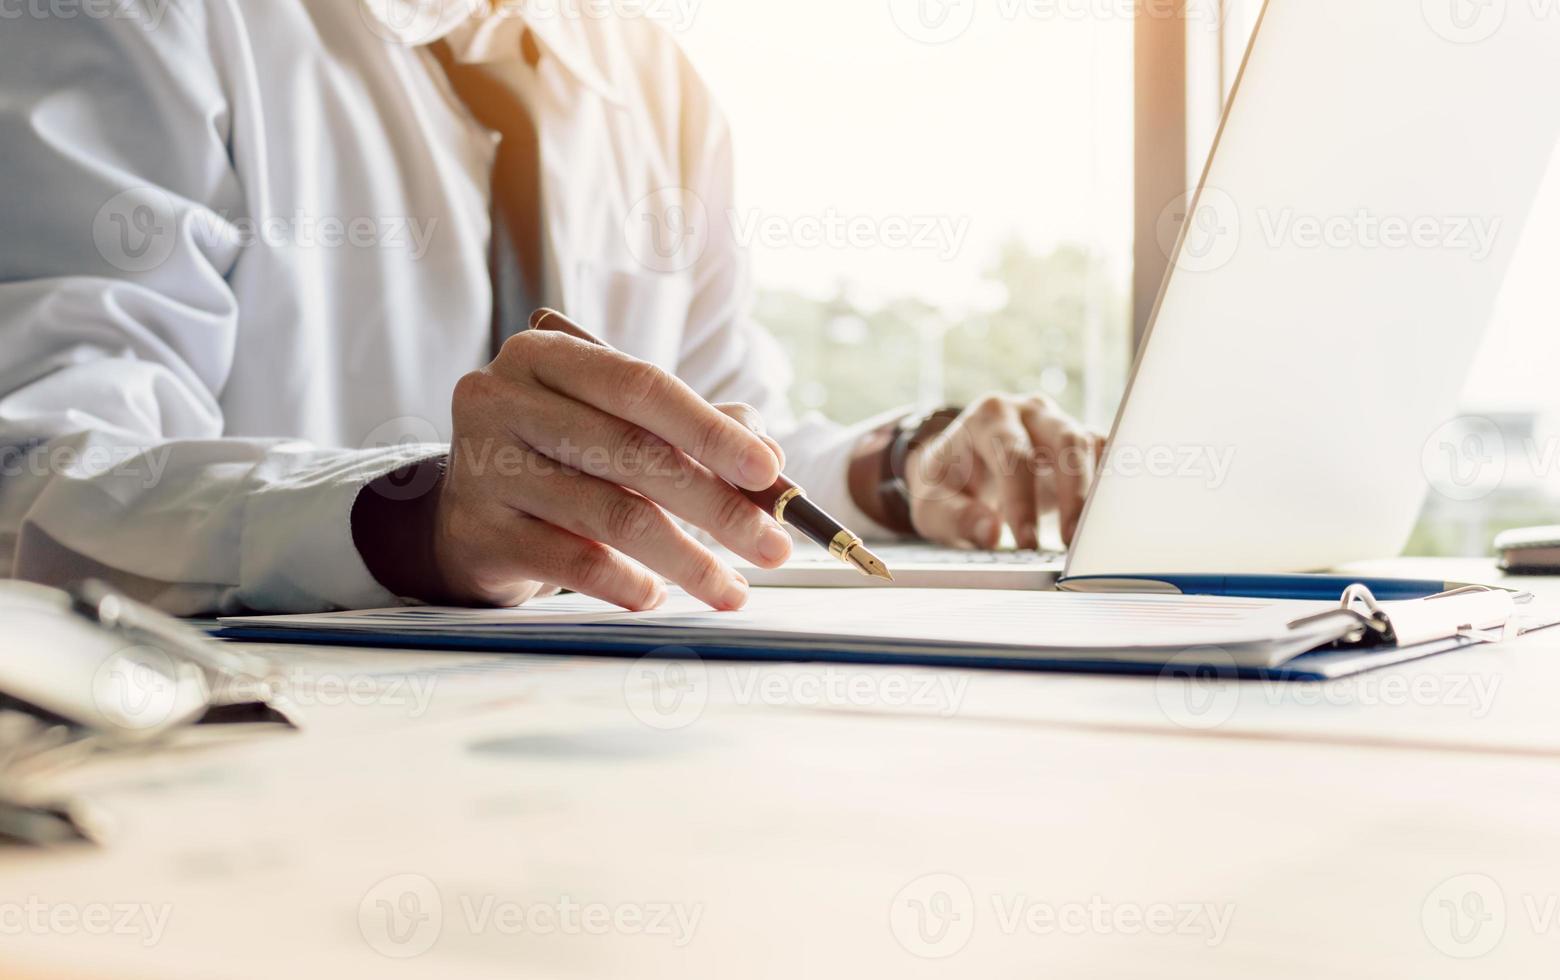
(243, 263)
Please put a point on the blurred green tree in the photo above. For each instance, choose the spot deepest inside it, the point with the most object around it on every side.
(1057, 324)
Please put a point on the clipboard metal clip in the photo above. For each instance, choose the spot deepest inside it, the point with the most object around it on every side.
(1373, 623)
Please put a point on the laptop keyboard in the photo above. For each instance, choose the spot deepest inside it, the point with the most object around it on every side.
(926, 554)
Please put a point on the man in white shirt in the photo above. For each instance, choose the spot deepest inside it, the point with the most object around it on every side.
(244, 276)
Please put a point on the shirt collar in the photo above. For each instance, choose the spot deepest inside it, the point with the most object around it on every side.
(477, 32)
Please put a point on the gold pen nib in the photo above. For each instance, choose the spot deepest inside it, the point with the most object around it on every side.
(867, 563)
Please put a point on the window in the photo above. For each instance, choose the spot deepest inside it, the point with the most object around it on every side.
(936, 190)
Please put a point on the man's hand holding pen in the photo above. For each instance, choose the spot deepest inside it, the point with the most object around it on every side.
(569, 460)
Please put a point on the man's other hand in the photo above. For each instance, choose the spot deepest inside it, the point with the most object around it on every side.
(1006, 460)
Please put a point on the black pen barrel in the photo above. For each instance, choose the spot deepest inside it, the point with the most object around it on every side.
(787, 504)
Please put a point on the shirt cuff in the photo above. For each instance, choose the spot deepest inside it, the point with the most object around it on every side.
(297, 551)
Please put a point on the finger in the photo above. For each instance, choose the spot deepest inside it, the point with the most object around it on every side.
(1005, 446)
(623, 520)
(590, 441)
(1066, 473)
(639, 392)
(948, 467)
(950, 488)
(588, 567)
(748, 416)
(744, 413)
(961, 521)
(549, 319)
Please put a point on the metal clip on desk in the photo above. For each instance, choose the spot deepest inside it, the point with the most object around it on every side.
(90, 671)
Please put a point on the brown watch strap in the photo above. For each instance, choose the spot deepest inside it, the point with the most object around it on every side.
(909, 435)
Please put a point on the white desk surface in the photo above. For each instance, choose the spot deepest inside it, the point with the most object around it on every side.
(546, 817)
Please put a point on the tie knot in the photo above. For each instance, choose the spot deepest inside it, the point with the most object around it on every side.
(530, 50)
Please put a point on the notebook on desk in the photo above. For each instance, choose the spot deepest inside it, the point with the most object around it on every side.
(963, 628)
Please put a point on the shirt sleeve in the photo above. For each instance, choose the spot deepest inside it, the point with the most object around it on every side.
(727, 355)
(117, 330)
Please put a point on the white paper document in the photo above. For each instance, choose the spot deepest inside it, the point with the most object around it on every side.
(942, 624)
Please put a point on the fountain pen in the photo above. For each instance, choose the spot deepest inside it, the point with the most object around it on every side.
(785, 501)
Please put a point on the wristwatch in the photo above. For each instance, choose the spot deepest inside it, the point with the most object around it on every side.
(910, 433)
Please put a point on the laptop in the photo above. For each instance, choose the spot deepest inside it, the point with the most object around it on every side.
(1331, 279)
